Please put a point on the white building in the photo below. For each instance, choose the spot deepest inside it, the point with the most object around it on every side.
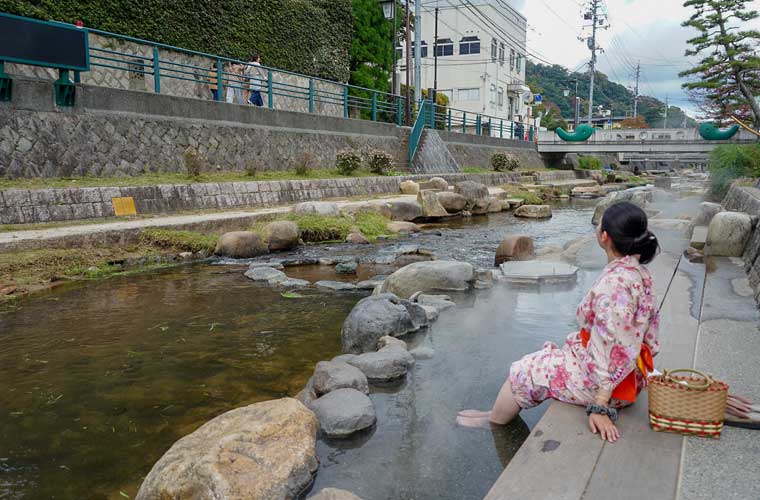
(481, 58)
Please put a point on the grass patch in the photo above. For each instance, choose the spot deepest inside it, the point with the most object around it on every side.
(476, 170)
(528, 197)
(177, 178)
(183, 241)
(729, 162)
(315, 228)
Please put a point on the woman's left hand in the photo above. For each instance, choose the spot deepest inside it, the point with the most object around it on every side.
(602, 425)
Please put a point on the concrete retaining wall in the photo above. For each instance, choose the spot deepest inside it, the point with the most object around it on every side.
(470, 150)
(747, 199)
(22, 206)
(120, 132)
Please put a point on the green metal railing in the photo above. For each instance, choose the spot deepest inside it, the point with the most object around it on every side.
(459, 120)
(275, 85)
(425, 118)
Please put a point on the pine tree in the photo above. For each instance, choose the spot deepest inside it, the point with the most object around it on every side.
(729, 73)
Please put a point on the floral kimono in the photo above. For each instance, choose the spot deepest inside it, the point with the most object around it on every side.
(620, 314)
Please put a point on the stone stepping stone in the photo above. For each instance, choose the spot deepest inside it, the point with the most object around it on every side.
(538, 272)
(699, 237)
(336, 286)
(343, 412)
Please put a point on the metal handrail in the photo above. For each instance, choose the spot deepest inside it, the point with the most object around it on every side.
(424, 118)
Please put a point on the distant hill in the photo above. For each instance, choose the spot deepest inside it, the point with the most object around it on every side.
(550, 81)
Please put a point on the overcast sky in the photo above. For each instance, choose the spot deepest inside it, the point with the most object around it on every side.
(648, 31)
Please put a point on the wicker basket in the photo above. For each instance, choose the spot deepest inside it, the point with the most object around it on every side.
(689, 405)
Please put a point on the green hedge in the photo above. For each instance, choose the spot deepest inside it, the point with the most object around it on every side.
(305, 36)
(729, 162)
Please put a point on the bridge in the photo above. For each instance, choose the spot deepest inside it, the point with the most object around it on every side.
(642, 147)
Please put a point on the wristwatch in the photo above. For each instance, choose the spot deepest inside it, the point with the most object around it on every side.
(602, 410)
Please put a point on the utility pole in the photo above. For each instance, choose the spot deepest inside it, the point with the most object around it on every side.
(417, 51)
(594, 16)
(408, 52)
(394, 78)
(434, 97)
(665, 120)
(636, 91)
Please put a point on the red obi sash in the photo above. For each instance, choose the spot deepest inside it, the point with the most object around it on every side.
(626, 389)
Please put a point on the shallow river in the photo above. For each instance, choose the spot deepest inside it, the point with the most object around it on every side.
(97, 380)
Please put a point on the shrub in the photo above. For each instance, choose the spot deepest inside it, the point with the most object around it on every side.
(380, 162)
(193, 163)
(589, 163)
(304, 164)
(729, 162)
(372, 224)
(348, 161)
(251, 168)
(502, 162)
(319, 228)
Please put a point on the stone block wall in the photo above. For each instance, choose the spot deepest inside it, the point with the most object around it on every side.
(134, 71)
(23, 206)
(433, 155)
(124, 133)
(747, 199)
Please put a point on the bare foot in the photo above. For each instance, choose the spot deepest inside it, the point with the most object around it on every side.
(474, 413)
(475, 422)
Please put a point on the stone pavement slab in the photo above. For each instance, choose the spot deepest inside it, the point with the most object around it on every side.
(729, 349)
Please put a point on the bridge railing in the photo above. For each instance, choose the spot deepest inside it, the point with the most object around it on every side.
(641, 136)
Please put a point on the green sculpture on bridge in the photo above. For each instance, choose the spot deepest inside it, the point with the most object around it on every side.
(710, 132)
(582, 133)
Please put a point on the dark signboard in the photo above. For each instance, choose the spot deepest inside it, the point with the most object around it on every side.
(42, 43)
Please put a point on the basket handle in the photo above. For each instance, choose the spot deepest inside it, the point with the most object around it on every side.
(699, 386)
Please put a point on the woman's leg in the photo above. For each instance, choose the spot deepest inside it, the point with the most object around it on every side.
(505, 408)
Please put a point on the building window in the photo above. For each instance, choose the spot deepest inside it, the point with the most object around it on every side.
(494, 50)
(445, 47)
(469, 45)
(493, 94)
(502, 52)
(501, 97)
(399, 52)
(468, 94)
(512, 59)
(517, 106)
(518, 64)
(423, 49)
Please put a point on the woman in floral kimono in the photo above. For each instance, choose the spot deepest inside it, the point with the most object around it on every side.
(603, 367)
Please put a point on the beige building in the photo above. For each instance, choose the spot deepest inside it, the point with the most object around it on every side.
(481, 58)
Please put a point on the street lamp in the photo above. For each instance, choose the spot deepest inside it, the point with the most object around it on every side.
(389, 9)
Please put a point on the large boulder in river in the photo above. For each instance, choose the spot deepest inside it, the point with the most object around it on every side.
(428, 200)
(452, 202)
(343, 412)
(405, 211)
(261, 451)
(514, 247)
(389, 363)
(705, 214)
(475, 194)
(409, 187)
(240, 245)
(401, 227)
(332, 375)
(377, 316)
(439, 183)
(534, 211)
(281, 235)
(728, 234)
(637, 196)
(430, 276)
(317, 208)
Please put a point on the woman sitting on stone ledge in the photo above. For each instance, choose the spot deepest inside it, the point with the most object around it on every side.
(604, 366)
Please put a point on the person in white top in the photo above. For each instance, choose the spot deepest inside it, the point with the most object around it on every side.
(255, 81)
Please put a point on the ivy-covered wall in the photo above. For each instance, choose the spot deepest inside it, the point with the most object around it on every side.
(305, 36)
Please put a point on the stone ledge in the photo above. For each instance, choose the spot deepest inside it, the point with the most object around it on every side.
(24, 206)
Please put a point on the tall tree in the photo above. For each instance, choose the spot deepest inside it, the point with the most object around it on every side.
(729, 72)
(372, 50)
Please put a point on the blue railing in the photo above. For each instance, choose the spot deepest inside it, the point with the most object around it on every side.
(314, 92)
(466, 122)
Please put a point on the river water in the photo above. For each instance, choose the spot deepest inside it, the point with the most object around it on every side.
(98, 380)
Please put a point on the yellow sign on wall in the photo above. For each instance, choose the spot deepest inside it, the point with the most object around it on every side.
(124, 206)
